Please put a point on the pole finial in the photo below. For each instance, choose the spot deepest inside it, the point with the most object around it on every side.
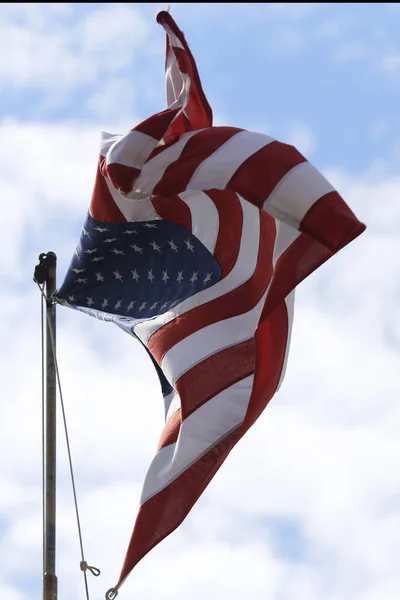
(47, 260)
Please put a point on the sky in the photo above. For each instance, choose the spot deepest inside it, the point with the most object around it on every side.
(307, 505)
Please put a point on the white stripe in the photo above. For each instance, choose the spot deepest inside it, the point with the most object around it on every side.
(183, 97)
(296, 193)
(205, 217)
(285, 236)
(174, 40)
(107, 140)
(153, 171)
(241, 272)
(289, 301)
(200, 431)
(216, 170)
(173, 79)
(139, 210)
(208, 341)
(131, 149)
(172, 403)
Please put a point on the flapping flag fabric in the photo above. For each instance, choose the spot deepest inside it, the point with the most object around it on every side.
(195, 241)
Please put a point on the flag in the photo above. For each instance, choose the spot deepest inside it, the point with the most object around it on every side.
(195, 240)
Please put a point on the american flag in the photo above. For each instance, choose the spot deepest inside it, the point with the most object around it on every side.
(195, 241)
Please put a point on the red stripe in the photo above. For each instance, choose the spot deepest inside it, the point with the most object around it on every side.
(167, 509)
(175, 130)
(302, 257)
(160, 149)
(206, 112)
(102, 205)
(270, 349)
(172, 208)
(196, 386)
(156, 125)
(215, 374)
(171, 430)
(331, 222)
(198, 148)
(257, 176)
(194, 109)
(164, 512)
(121, 176)
(230, 228)
(329, 231)
(236, 302)
(178, 127)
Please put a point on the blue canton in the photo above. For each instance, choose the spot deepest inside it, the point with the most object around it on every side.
(137, 270)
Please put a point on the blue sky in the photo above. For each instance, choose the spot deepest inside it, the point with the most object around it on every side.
(308, 504)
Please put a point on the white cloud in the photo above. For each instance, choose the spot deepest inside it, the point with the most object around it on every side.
(390, 62)
(352, 50)
(297, 10)
(250, 10)
(333, 29)
(299, 134)
(12, 593)
(118, 97)
(287, 39)
(104, 41)
(380, 128)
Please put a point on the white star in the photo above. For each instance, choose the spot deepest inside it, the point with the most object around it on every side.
(71, 298)
(173, 246)
(164, 305)
(129, 231)
(141, 307)
(99, 277)
(155, 247)
(117, 251)
(131, 305)
(117, 275)
(208, 277)
(90, 301)
(189, 245)
(150, 275)
(109, 240)
(77, 253)
(194, 277)
(97, 258)
(101, 229)
(81, 280)
(153, 305)
(135, 275)
(105, 303)
(165, 276)
(77, 271)
(150, 226)
(85, 232)
(90, 250)
(180, 276)
(118, 304)
(136, 248)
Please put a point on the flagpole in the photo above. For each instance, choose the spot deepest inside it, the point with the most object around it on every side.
(45, 273)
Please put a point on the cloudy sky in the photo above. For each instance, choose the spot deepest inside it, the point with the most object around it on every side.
(307, 506)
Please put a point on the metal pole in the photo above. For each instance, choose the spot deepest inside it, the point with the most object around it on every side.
(45, 272)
